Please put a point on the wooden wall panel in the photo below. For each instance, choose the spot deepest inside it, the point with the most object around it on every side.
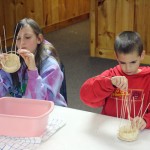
(142, 22)
(34, 9)
(72, 8)
(20, 9)
(50, 14)
(146, 26)
(62, 10)
(28, 8)
(9, 17)
(114, 16)
(124, 15)
(83, 6)
(69, 9)
(106, 27)
(1, 16)
(55, 12)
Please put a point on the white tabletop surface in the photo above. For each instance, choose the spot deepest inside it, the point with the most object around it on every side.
(90, 131)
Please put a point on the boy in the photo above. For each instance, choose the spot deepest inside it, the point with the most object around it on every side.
(127, 77)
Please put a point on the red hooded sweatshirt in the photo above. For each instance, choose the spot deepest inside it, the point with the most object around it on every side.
(99, 91)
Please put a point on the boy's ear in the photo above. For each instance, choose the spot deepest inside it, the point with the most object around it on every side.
(40, 38)
(143, 55)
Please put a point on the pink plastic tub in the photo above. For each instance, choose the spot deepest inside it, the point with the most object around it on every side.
(20, 117)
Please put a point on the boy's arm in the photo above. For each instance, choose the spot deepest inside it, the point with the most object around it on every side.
(95, 90)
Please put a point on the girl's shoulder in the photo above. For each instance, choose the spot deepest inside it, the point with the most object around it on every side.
(49, 60)
(47, 45)
(49, 63)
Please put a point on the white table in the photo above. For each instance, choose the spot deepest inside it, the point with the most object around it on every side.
(90, 131)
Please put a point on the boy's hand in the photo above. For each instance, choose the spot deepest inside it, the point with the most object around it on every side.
(120, 82)
(138, 122)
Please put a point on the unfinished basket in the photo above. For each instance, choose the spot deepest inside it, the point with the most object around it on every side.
(127, 133)
(11, 63)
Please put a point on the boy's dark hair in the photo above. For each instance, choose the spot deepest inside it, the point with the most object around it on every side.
(127, 42)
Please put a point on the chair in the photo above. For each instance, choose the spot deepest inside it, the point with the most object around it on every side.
(63, 89)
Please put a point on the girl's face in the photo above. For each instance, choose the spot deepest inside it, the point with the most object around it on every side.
(130, 62)
(27, 39)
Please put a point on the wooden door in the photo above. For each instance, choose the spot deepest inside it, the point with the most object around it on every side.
(110, 17)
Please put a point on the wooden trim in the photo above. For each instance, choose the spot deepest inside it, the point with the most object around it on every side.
(65, 23)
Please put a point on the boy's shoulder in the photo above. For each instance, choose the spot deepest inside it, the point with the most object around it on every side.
(116, 70)
(145, 69)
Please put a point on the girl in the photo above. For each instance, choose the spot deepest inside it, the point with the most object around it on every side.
(39, 76)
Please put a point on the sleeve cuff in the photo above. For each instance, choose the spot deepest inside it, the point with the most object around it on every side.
(32, 74)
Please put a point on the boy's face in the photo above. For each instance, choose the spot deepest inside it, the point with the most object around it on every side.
(129, 63)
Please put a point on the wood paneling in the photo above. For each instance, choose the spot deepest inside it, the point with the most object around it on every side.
(9, 17)
(50, 14)
(20, 9)
(110, 17)
(1, 16)
(34, 9)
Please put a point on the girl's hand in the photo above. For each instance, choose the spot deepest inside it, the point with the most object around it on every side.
(28, 57)
(120, 82)
(2, 57)
(138, 122)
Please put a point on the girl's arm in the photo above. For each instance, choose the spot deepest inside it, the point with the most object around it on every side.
(45, 86)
